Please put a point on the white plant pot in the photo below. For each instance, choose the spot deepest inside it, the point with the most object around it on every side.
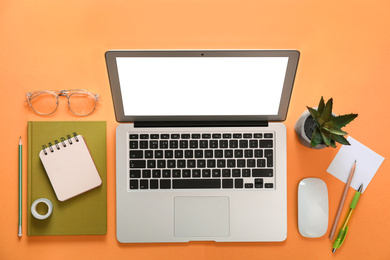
(300, 130)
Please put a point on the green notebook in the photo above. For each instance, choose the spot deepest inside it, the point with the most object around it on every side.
(85, 214)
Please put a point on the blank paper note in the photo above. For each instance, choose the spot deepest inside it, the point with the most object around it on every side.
(367, 164)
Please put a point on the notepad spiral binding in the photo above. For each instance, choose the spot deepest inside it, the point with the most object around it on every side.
(57, 144)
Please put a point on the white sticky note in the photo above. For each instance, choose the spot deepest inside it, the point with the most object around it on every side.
(367, 164)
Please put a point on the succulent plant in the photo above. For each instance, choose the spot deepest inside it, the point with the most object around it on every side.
(327, 126)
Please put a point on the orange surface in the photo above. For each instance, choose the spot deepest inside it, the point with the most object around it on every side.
(345, 54)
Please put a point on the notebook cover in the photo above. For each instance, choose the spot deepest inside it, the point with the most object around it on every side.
(70, 168)
(85, 214)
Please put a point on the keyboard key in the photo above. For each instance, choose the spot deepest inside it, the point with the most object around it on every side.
(149, 154)
(198, 153)
(236, 173)
(151, 163)
(211, 163)
(158, 154)
(135, 174)
(186, 173)
(153, 184)
(262, 173)
(268, 135)
(229, 153)
(194, 144)
(269, 185)
(189, 154)
(208, 153)
(266, 143)
(213, 144)
(133, 184)
(227, 183)
(144, 144)
(173, 144)
(164, 144)
(196, 173)
(238, 183)
(168, 154)
(243, 143)
(144, 184)
(248, 185)
(201, 163)
(196, 183)
(156, 174)
(176, 173)
(251, 163)
(153, 144)
(226, 173)
(258, 153)
(248, 153)
(261, 163)
(183, 144)
(136, 154)
(137, 164)
(133, 136)
(231, 163)
(241, 163)
(146, 174)
(133, 144)
(206, 173)
(165, 184)
(233, 143)
(223, 144)
(253, 144)
(238, 153)
(166, 173)
(246, 173)
(179, 153)
(218, 154)
(216, 173)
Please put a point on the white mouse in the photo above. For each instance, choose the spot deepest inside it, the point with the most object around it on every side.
(313, 207)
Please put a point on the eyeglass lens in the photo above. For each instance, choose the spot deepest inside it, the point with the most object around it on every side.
(82, 103)
(44, 103)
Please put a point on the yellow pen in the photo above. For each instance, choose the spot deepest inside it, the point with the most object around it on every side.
(344, 229)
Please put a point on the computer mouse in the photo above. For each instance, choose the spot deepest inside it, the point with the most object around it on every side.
(313, 207)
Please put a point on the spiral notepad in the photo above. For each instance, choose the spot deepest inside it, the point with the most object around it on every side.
(70, 167)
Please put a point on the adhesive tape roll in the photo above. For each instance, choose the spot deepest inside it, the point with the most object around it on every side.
(34, 208)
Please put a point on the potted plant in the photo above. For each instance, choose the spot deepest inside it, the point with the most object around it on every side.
(319, 127)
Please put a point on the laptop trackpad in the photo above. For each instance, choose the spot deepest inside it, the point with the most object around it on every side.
(201, 216)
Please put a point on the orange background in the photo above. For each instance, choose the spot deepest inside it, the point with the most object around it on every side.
(345, 54)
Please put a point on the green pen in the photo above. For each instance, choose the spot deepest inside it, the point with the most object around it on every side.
(343, 232)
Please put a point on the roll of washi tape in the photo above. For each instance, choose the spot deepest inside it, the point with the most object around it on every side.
(34, 208)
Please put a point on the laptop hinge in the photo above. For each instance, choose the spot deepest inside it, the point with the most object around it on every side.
(200, 123)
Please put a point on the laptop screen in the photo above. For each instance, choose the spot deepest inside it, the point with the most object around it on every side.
(201, 86)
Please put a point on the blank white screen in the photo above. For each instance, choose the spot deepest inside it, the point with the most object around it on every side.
(170, 86)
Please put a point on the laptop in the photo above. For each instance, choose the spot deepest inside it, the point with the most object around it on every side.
(201, 147)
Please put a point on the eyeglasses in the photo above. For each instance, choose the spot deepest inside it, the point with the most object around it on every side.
(80, 102)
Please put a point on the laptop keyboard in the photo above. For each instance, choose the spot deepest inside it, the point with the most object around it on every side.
(201, 161)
